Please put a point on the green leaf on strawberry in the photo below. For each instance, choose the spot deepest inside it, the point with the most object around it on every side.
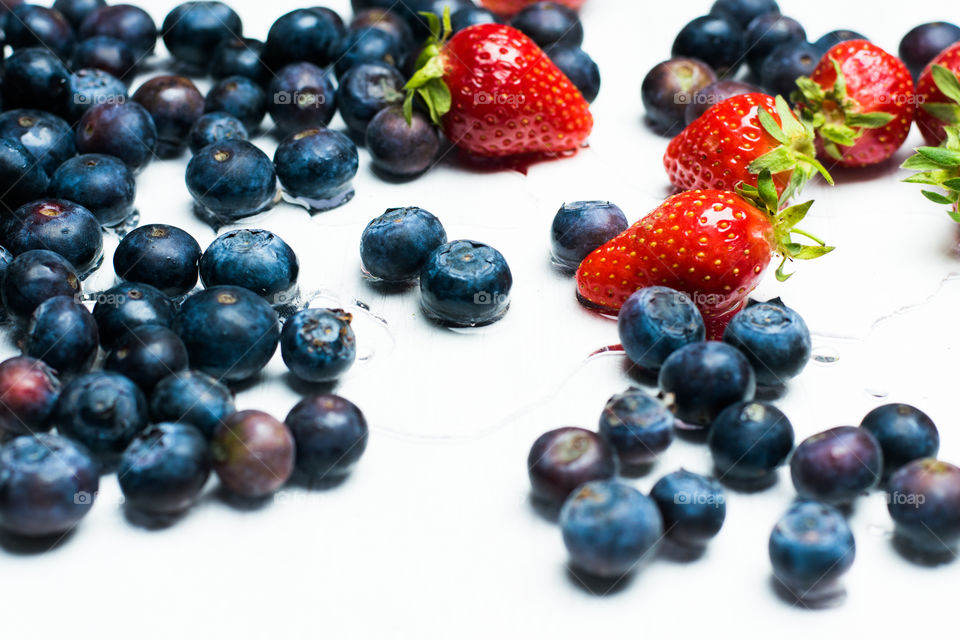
(939, 167)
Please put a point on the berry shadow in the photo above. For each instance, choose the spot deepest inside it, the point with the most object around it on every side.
(922, 557)
(825, 597)
(305, 388)
(303, 481)
(636, 470)
(596, 585)
(549, 511)
(27, 546)
(680, 553)
(243, 503)
(151, 521)
(756, 485)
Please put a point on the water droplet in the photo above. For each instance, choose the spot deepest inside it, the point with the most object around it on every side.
(825, 355)
(880, 531)
(877, 391)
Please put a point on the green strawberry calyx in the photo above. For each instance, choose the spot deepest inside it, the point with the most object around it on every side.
(427, 81)
(784, 222)
(949, 85)
(836, 116)
(939, 167)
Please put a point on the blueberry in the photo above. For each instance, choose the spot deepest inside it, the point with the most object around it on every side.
(131, 25)
(654, 322)
(129, 305)
(637, 426)
(548, 23)
(63, 227)
(104, 411)
(582, 226)
(610, 528)
(716, 40)
(369, 45)
(744, 11)
(239, 57)
(765, 33)
(47, 485)
(192, 30)
(241, 97)
(924, 502)
(830, 40)
(301, 96)
(773, 337)
(924, 42)
(175, 104)
(365, 90)
(105, 53)
(253, 453)
(232, 180)
(303, 35)
(147, 355)
(254, 259)
(669, 88)
(693, 507)
(164, 468)
(316, 167)
(125, 131)
(714, 94)
(578, 66)
(785, 64)
(465, 283)
(30, 25)
(563, 459)
(810, 547)
(76, 11)
(749, 440)
(401, 149)
(837, 465)
(29, 389)
(35, 79)
(330, 434)
(905, 434)
(705, 378)
(159, 255)
(385, 20)
(318, 345)
(89, 87)
(395, 246)
(47, 137)
(63, 334)
(191, 397)
(214, 127)
(35, 276)
(230, 333)
(21, 174)
(471, 16)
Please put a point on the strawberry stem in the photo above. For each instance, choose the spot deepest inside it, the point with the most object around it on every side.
(939, 167)
(949, 85)
(427, 81)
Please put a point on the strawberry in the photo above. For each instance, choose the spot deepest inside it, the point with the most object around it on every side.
(940, 167)
(712, 244)
(508, 8)
(938, 94)
(861, 101)
(495, 93)
(736, 139)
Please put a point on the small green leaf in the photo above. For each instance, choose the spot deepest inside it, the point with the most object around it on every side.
(839, 134)
(782, 276)
(433, 23)
(947, 82)
(873, 120)
(790, 217)
(789, 123)
(946, 111)
(937, 198)
(775, 161)
(943, 157)
(953, 184)
(832, 150)
(447, 24)
(955, 214)
(932, 178)
(770, 126)
(811, 252)
(918, 162)
(408, 107)
(810, 90)
(840, 86)
(767, 190)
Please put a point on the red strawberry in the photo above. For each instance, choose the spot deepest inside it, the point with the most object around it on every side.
(495, 93)
(861, 101)
(938, 94)
(736, 139)
(507, 8)
(713, 245)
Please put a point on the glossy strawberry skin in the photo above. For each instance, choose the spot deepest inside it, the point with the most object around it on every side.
(508, 8)
(508, 98)
(927, 93)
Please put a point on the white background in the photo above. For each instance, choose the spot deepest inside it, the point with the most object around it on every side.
(433, 535)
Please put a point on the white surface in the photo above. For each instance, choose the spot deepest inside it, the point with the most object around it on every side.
(433, 535)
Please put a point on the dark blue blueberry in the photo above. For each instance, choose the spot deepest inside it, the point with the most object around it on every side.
(924, 502)
(369, 45)
(610, 528)
(35, 79)
(35, 276)
(830, 40)
(159, 255)
(29, 389)
(399, 149)
(768, 31)
(637, 426)
(301, 96)
(20, 173)
(397, 244)
(47, 485)
(330, 433)
(131, 25)
(365, 90)
(715, 39)
(164, 468)
(693, 507)
(810, 547)
(749, 441)
(465, 283)
(175, 104)
(90, 87)
(303, 35)
(470, 16)
(578, 66)
(63, 334)
(837, 465)
(924, 42)
(744, 11)
(102, 184)
(103, 411)
(147, 355)
(785, 64)
(191, 397)
(548, 23)
(125, 131)
(239, 57)
(76, 11)
(316, 167)
(127, 306)
(241, 97)
(192, 30)
(714, 94)
(385, 20)
(47, 137)
(232, 180)
(30, 25)
(905, 434)
(774, 338)
(214, 127)
(230, 332)
(318, 345)
(254, 259)
(60, 226)
(105, 53)
(253, 453)
(582, 226)
(656, 321)
(669, 88)
(335, 19)
(705, 378)
(563, 459)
